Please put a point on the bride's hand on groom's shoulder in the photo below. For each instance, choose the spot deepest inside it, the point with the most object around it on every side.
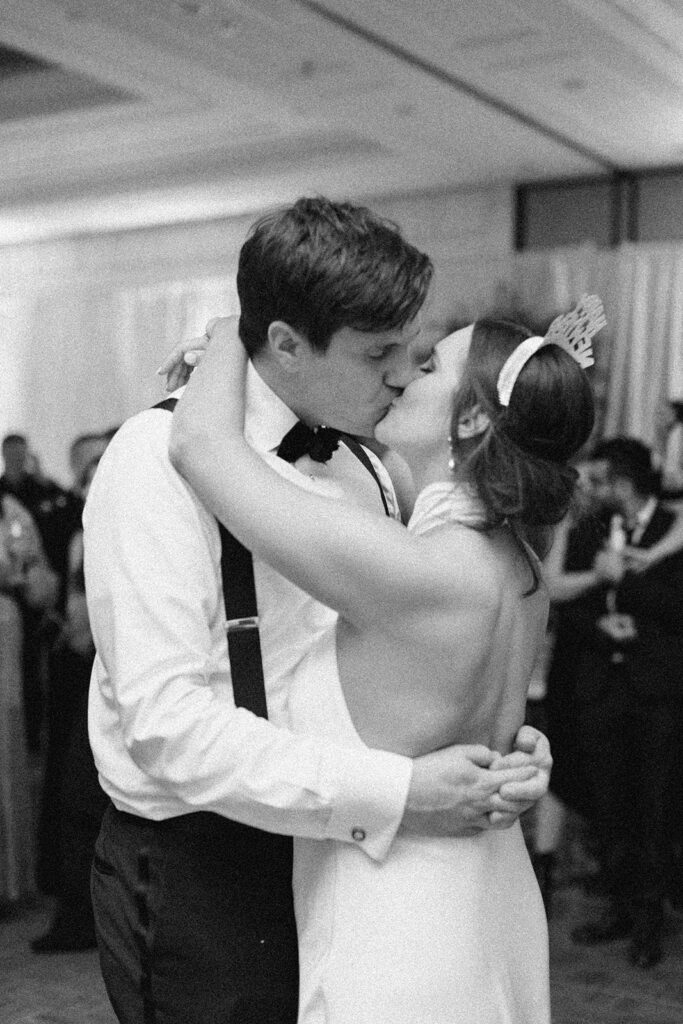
(181, 361)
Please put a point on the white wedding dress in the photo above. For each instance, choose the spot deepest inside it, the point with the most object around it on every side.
(444, 931)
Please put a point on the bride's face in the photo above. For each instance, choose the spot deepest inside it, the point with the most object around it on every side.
(419, 421)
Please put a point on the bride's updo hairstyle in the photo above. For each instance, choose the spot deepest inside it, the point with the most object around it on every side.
(519, 465)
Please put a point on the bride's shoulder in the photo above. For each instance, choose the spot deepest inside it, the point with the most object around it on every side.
(443, 504)
(464, 568)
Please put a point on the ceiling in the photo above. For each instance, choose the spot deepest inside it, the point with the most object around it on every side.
(134, 112)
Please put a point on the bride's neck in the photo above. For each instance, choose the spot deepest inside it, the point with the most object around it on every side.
(430, 471)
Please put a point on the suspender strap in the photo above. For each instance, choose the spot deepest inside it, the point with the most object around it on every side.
(239, 596)
(363, 457)
(244, 641)
(168, 403)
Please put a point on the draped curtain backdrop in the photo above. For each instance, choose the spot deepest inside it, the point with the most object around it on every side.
(83, 325)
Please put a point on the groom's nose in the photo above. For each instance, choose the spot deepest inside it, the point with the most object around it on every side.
(401, 371)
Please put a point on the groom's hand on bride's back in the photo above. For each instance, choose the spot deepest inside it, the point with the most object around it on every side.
(456, 791)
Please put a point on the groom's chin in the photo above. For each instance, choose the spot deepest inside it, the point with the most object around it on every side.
(382, 429)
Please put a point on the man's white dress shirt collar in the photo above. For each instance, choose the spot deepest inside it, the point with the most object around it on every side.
(267, 419)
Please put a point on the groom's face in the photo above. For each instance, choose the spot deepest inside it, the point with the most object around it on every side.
(351, 385)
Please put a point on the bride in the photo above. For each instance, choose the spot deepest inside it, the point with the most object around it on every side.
(438, 628)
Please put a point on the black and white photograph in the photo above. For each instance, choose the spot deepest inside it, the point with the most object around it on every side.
(341, 512)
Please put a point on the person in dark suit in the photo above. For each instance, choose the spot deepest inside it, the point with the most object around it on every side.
(73, 802)
(60, 523)
(576, 590)
(629, 700)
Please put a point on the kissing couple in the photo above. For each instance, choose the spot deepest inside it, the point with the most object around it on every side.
(367, 696)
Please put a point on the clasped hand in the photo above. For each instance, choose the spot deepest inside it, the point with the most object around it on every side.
(464, 790)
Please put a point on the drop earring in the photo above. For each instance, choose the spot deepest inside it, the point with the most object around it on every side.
(451, 458)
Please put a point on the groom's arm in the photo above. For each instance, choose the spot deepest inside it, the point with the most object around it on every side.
(478, 790)
(166, 734)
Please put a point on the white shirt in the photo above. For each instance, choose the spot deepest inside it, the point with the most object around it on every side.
(165, 732)
(643, 517)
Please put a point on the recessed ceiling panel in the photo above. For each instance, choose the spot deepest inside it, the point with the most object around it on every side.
(32, 87)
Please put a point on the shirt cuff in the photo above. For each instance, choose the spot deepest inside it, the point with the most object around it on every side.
(372, 789)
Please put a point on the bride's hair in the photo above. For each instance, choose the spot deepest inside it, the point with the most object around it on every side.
(519, 465)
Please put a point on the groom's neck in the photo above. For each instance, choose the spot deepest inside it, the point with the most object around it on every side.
(281, 385)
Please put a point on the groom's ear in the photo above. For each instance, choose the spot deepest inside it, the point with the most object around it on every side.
(286, 345)
(473, 423)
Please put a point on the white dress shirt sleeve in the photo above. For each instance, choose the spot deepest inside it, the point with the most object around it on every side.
(152, 564)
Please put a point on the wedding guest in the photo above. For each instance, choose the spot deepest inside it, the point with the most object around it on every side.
(629, 706)
(25, 579)
(74, 795)
(36, 495)
(64, 675)
(574, 580)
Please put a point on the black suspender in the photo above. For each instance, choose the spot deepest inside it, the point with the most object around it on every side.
(244, 639)
(239, 597)
(241, 613)
(362, 456)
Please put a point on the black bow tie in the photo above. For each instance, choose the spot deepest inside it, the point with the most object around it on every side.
(318, 443)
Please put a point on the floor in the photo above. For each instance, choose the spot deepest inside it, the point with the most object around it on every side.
(588, 986)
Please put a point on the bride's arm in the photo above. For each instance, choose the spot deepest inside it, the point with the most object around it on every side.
(367, 567)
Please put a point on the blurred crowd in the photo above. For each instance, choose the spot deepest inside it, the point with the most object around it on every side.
(50, 801)
(609, 693)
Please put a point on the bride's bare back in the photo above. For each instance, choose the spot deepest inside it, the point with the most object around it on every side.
(458, 676)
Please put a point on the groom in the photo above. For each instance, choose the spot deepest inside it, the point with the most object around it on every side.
(192, 871)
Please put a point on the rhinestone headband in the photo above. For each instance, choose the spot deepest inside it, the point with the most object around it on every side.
(572, 331)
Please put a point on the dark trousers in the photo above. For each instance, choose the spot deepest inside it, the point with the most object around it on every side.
(80, 806)
(32, 668)
(629, 749)
(72, 802)
(195, 921)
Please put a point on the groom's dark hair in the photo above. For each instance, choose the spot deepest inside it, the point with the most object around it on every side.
(319, 266)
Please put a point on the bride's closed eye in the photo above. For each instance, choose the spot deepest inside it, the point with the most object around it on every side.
(429, 366)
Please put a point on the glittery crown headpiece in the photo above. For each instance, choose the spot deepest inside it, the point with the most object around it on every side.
(572, 331)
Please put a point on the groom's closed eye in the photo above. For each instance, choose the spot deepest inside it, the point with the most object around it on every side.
(380, 354)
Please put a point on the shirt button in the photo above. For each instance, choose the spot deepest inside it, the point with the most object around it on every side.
(358, 835)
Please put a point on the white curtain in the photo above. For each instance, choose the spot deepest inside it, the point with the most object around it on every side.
(84, 359)
(646, 363)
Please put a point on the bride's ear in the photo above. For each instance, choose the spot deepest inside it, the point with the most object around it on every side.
(472, 423)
